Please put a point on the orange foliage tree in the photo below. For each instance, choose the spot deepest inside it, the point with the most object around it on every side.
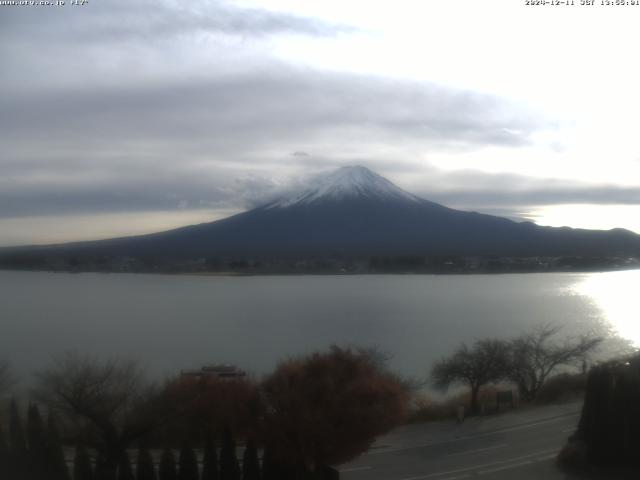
(216, 403)
(328, 408)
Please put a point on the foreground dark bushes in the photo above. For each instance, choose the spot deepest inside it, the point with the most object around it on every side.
(312, 411)
(36, 453)
(562, 388)
(608, 433)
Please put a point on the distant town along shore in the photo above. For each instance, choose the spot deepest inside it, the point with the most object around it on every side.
(319, 265)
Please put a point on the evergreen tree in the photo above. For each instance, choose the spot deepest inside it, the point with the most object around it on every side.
(82, 469)
(210, 460)
(268, 467)
(145, 469)
(56, 463)
(271, 469)
(250, 462)
(37, 444)
(17, 443)
(188, 464)
(16, 433)
(168, 469)
(4, 455)
(124, 468)
(229, 469)
(102, 469)
(609, 426)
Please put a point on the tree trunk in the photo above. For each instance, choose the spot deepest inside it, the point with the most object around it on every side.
(475, 408)
(108, 469)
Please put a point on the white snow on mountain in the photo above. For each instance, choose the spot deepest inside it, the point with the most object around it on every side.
(345, 182)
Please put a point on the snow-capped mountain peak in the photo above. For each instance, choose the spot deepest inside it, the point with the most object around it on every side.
(345, 182)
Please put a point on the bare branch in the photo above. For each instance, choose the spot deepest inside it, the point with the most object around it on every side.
(83, 385)
(534, 357)
(108, 395)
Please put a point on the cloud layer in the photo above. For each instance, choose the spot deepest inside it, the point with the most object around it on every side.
(143, 147)
(164, 106)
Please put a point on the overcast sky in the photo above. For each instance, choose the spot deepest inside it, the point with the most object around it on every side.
(126, 116)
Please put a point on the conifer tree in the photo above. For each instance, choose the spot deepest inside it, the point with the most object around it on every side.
(102, 469)
(270, 468)
(125, 471)
(145, 469)
(229, 469)
(210, 460)
(250, 462)
(17, 443)
(168, 469)
(56, 463)
(37, 444)
(17, 439)
(4, 455)
(82, 469)
(188, 469)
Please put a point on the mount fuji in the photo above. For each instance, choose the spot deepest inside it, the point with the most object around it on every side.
(354, 212)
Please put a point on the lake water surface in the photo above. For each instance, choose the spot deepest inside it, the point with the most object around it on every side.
(173, 322)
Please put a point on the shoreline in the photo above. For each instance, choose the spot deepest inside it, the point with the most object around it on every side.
(205, 273)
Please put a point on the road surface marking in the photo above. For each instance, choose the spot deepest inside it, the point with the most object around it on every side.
(354, 469)
(468, 437)
(465, 452)
(476, 467)
(516, 465)
(505, 467)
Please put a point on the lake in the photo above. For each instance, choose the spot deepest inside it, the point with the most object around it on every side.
(174, 322)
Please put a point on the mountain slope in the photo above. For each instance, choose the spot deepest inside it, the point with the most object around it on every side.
(356, 212)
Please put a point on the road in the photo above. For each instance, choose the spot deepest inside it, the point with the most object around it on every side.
(519, 444)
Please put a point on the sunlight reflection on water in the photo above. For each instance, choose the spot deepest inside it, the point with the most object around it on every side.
(616, 295)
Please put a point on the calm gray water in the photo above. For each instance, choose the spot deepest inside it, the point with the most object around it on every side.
(177, 322)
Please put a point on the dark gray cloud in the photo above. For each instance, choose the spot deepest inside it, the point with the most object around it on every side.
(81, 148)
(470, 187)
(515, 196)
(159, 105)
(120, 42)
(252, 107)
(154, 20)
(569, 194)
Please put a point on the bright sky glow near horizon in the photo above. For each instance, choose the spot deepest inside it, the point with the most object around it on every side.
(128, 117)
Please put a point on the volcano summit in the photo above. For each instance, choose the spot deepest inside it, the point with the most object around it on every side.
(351, 212)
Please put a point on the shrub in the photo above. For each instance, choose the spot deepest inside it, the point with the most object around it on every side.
(563, 387)
(328, 408)
(214, 404)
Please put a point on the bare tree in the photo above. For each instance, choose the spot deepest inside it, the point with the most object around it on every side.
(484, 362)
(111, 396)
(535, 356)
